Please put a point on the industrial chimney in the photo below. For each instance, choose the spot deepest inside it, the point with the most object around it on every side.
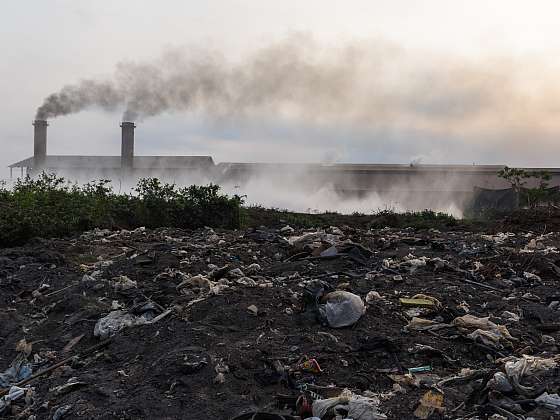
(39, 144)
(127, 145)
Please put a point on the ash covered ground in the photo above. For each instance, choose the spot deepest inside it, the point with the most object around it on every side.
(455, 323)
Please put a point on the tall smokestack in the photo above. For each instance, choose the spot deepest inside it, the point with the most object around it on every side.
(39, 143)
(127, 145)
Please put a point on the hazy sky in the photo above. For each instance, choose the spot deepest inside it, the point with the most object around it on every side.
(497, 58)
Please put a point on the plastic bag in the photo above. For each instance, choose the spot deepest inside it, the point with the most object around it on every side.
(527, 366)
(485, 330)
(18, 371)
(114, 322)
(364, 408)
(342, 309)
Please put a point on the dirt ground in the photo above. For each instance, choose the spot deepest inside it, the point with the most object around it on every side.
(221, 323)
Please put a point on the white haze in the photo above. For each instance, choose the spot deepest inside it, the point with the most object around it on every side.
(296, 197)
(299, 188)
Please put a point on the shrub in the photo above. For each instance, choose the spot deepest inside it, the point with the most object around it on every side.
(50, 206)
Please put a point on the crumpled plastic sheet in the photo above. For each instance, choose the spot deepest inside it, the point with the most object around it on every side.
(527, 366)
(19, 371)
(14, 393)
(363, 408)
(116, 321)
(357, 406)
(485, 330)
(550, 401)
(61, 411)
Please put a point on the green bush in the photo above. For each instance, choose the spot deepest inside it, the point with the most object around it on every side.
(49, 206)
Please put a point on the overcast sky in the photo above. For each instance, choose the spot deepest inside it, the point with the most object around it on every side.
(48, 44)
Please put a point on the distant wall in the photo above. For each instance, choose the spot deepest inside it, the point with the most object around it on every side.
(399, 186)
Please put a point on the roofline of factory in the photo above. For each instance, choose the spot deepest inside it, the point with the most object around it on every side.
(114, 161)
(128, 160)
(138, 160)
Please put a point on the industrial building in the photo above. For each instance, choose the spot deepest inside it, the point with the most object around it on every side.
(429, 186)
(112, 167)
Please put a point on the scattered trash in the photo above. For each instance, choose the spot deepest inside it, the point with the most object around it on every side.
(420, 324)
(485, 331)
(349, 405)
(341, 309)
(61, 412)
(430, 402)
(71, 385)
(20, 368)
(13, 394)
(15, 373)
(263, 416)
(510, 316)
(372, 296)
(123, 283)
(310, 365)
(117, 320)
(253, 269)
(253, 310)
(287, 230)
(221, 369)
(419, 369)
(236, 273)
(500, 382)
(550, 401)
(112, 323)
(425, 303)
(453, 320)
(527, 366)
(364, 408)
(531, 276)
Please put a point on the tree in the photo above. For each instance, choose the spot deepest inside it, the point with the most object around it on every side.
(532, 196)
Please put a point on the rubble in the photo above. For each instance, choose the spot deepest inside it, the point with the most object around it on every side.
(282, 322)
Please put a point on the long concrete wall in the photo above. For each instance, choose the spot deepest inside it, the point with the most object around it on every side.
(457, 178)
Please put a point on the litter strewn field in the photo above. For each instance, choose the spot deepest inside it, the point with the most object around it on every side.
(342, 321)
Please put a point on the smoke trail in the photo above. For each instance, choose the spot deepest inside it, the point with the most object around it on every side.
(372, 84)
(75, 98)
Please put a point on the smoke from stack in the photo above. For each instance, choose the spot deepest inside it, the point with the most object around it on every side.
(76, 98)
(375, 84)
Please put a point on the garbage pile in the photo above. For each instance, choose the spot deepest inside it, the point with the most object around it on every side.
(282, 323)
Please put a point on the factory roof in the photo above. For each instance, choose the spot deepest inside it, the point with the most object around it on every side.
(367, 167)
(114, 162)
(186, 162)
(370, 167)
